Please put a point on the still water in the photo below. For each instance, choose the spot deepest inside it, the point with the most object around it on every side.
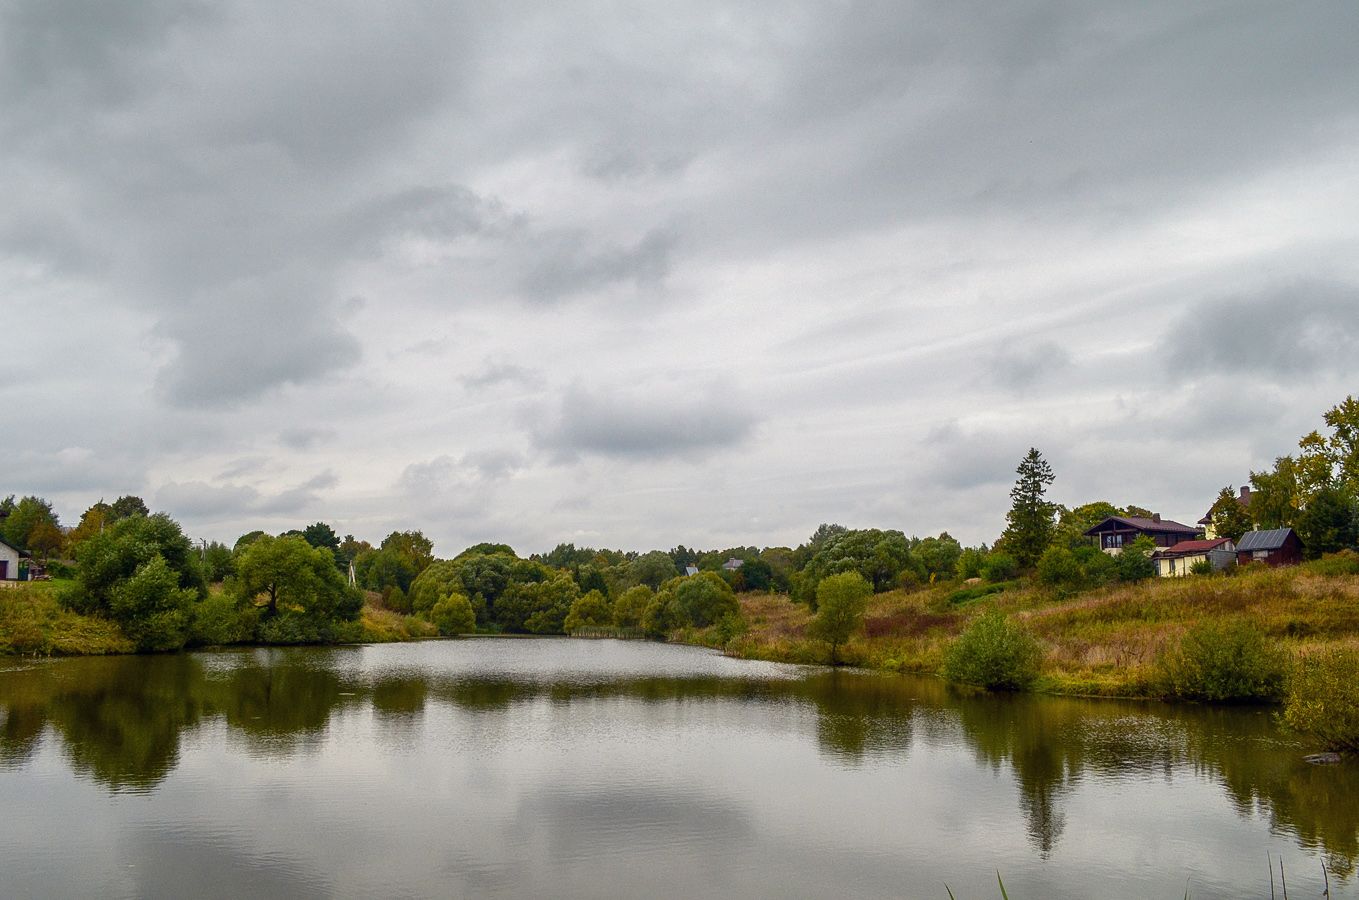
(573, 768)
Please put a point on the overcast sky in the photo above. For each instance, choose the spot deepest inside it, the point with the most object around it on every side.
(697, 273)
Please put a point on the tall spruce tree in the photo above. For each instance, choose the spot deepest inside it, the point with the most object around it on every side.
(1030, 522)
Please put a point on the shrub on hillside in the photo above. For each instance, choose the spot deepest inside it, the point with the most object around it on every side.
(1225, 661)
(1346, 562)
(996, 653)
(1323, 698)
(999, 566)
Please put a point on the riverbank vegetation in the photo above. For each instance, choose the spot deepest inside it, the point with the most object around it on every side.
(1040, 608)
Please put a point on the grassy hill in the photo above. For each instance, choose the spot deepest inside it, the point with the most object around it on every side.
(1105, 642)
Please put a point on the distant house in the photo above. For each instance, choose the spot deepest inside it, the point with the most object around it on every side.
(733, 564)
(1116, 532)
(13, 565)
(1173, 562)
(1275, 547)
(691, 570)
(1206, 523)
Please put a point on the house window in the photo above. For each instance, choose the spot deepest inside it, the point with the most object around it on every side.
(1259, 554)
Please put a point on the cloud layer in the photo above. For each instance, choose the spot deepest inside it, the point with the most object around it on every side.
(708, 273)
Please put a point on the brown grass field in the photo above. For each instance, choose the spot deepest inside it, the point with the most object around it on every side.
(1103, 642)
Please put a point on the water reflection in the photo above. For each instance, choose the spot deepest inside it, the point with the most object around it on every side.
(120, 722)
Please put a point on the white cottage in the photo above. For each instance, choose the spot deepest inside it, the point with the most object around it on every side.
(10, 558)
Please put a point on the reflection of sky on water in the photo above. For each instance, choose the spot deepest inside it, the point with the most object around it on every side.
(574, 768)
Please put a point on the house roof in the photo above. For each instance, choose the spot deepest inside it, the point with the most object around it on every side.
(691, 570)
(1190, 548)
(733, 564)
(1143, 524)
(1272, 539)
(18, 550)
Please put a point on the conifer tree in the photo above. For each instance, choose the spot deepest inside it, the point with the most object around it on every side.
(1030, 522)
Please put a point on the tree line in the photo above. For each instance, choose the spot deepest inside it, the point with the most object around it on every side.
(139, 569)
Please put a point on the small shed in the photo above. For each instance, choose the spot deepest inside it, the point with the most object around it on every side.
(13, 563)
(1176, 561)
(1275, 547)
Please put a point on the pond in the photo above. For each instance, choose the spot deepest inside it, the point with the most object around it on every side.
(575, 768)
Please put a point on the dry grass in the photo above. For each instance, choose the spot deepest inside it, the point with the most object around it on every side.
(1103, 642)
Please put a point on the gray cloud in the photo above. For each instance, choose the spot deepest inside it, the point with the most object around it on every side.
(493, 374)
(1296, 329)
(874, 218)
(568, 265)
(1021, 365)
(305, 438)
(649, 422)
(225, 502)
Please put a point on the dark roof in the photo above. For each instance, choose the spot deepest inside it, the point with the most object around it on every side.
(1272, 539)
(1188, 548)
(1144, 524)
(18, 550)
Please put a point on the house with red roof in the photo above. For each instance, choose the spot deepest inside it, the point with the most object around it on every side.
(1180, 559)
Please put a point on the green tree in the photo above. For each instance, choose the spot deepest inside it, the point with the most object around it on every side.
(1135, 562)
(999, 566)
(1228, 516)
(287, 576)
(591, 610)
(44, 540)
(631, 605)
(142, 573)
(1072, 524)
(92, 522)
(1329, 522)
(218, 562)
(939, 555)
(652, 569)
(128, 506)
(28, 514)
(879, 556)
(1030, 527)
(152, 609)
(453, 614)
(246, 540)
(704, 599)
(841, 601)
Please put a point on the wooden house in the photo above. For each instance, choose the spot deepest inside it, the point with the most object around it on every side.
(1117, 532)
(1275, 547)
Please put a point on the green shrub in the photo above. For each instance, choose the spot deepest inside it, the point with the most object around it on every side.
(1224, 661)
(1323, 698)
(220, 620)
(589, 610)
(994, 652)
(454, 615)
(295, 628)
(1203, 567)
(975, 592)
(999, 566)
(1135, 562)
(1346, 562)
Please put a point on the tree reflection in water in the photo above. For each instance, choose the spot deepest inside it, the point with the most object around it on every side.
(120, 721)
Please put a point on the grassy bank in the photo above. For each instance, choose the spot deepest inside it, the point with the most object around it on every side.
(1105, 642)
(33, 622)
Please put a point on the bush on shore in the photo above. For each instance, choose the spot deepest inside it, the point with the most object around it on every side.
(1225, 661)
(1322, 698)
(996, 653)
